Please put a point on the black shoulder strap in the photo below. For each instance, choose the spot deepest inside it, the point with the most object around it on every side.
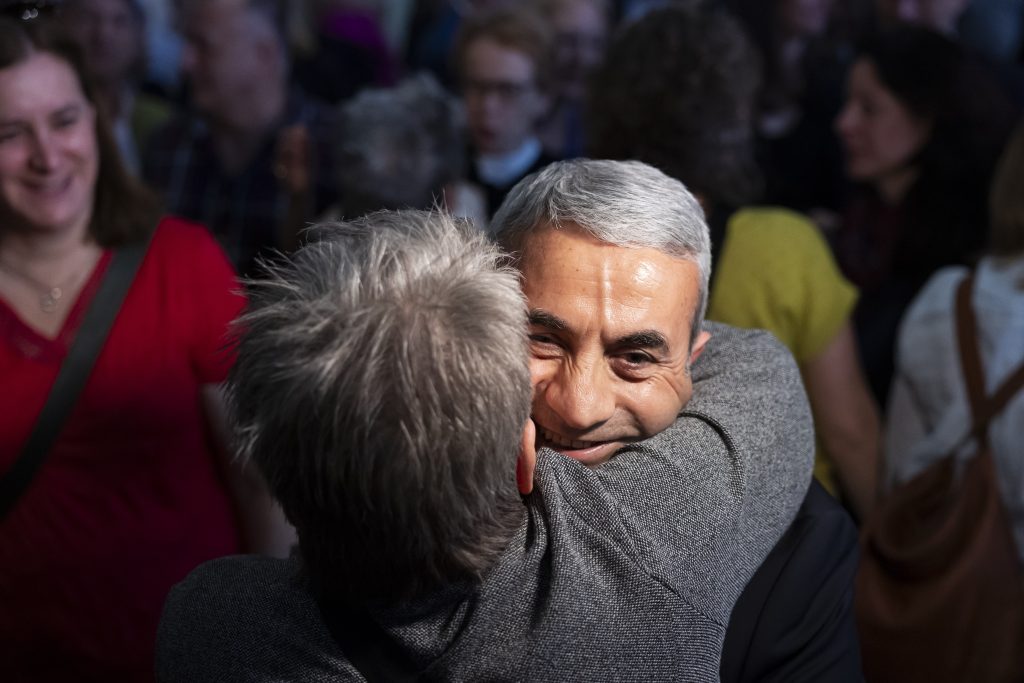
(74, 372)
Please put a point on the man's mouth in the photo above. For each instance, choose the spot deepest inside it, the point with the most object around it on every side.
(562, 442)
(590, 453)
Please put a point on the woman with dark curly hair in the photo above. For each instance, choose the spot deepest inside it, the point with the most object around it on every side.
(677, 90)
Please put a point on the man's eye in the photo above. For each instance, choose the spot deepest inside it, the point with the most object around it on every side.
(636, 358)
(544, 339)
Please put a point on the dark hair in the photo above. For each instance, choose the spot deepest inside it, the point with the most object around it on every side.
(676, 90)
(970, 119)
(124, 210)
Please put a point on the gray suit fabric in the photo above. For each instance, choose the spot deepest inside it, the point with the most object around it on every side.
(625, 572)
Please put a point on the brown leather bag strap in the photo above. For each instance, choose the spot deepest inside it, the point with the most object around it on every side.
(970, 357)
(983, 408)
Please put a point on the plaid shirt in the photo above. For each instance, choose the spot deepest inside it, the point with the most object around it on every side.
(244, 210)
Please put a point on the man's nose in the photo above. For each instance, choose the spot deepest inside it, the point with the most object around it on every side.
(582, 396)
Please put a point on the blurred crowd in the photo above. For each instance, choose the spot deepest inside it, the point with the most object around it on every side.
(853, 158)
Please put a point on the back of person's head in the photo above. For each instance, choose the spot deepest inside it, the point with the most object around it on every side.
(123, 210)
(516, 28)
(677, 90)
(1006, 201)
(382, 388)
(622, 203)
(399, 147)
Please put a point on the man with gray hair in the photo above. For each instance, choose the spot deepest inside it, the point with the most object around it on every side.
(604, 252)
(382, 388)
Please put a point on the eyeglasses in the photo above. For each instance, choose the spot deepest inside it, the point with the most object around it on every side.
(29, 11)
(507, 91)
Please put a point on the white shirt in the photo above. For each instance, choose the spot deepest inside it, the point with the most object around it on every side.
(929, 414)
(501, 170)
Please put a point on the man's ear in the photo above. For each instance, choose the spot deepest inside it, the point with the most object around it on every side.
(526, 463)
(698, 347)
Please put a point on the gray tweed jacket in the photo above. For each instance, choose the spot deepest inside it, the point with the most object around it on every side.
(625, 572)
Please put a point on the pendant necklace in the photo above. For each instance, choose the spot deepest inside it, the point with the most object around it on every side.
(49, 295)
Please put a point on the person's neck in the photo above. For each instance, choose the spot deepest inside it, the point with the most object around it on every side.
(34, 251)
(893, 187)
(237, 140)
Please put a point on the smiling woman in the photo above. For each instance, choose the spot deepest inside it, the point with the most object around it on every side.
(128, 497)
(921, 127)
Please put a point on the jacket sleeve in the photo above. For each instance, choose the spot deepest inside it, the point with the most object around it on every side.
(715, 491)
(795, 621)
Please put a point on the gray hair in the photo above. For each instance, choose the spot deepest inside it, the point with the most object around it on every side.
(623, 203)
(398, 147)
(381, 388)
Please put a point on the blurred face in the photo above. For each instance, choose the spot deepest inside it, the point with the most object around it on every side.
(609, 341)
(502, 101)
(224, 58)
(48, 152)
(940, 15)
(110, 35)
(879, 133)
(581, 31)
(804, 17)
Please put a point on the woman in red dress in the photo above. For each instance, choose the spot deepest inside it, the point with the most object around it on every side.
(134, 491)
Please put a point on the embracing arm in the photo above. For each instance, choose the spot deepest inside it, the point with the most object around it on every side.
(264, 528)
(748, 382)
(729, 475)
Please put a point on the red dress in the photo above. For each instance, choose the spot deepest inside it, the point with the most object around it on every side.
(130, 498)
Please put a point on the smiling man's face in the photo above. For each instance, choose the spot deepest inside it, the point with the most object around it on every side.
(609, 341)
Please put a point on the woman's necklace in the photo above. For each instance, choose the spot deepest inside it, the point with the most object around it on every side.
(49, 295)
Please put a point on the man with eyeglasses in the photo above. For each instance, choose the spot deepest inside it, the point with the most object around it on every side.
(503, 61)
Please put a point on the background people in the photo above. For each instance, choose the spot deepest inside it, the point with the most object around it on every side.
(928, 412)
(112, 37)
(773, 270)
(504, 63)
(581, 29)
(921, 133)
(216, 165)
(133, 493)
(939, 591)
